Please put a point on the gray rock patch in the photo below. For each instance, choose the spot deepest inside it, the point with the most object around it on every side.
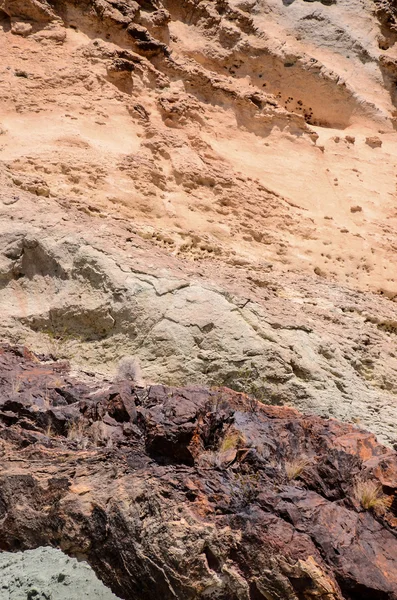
(48, 574)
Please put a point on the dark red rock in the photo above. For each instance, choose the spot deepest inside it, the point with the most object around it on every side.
(184, 493)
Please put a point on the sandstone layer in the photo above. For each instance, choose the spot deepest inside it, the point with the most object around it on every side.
(242, 130)
(192, 493)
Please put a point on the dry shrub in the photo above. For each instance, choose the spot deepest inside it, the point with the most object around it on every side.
(77, 431)
(212, 460)
(129, 369)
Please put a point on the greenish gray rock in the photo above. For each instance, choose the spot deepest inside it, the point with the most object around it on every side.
(48, 574)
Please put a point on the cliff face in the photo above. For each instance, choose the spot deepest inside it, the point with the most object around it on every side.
(190, 493)
(209, 187)
(258, 131)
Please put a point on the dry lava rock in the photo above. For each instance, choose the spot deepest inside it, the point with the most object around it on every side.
(193, 493)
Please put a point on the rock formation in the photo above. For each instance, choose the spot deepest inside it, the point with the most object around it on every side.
(191, 492)
(198, 194)
(194, 185)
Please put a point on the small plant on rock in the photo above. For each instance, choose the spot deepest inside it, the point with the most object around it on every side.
(129, 369)
(370, 495)
(295, 467)
(77, 432)
(49, 432)
(16, 382)
(211, 460)
(232, 440)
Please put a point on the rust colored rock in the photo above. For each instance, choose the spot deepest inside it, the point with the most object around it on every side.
(192, 493)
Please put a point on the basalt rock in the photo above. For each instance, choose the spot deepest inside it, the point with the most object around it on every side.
(192, 492)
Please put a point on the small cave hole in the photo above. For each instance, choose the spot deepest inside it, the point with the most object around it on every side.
(212, 561)
(5, 20)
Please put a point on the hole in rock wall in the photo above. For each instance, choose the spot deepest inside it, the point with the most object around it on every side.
(5, 21)
(48, 573)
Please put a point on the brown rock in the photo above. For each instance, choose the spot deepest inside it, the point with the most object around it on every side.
(34, 10)
(373, 141)
(153, 517)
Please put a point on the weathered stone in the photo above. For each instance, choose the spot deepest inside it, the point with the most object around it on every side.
(208, 494)
(21, 28)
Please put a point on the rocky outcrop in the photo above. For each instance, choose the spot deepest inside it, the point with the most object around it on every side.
(171, 189)
(28, 10)
(205, 190)
(193, 492)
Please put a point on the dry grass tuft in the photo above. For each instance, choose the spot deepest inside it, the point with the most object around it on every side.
(295, 467)
(49, 432)
(77, 430)
(370, 495)
(232, 440)
(16, 382)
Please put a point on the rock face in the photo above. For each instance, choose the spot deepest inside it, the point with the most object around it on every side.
(204, 190)
(193, 493)
(95, 296)
(147, 104)
(208, 186)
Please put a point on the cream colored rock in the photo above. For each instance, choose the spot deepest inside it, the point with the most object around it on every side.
(75, 288)
(21, 28)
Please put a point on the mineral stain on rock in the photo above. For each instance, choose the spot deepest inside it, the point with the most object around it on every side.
(48, 574)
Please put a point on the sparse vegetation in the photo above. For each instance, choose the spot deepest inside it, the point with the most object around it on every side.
(58, 341)
(77, 431)
(82, 432)
(49, 432)
(245, 490)
(232, 440)
(16, 382)
(370, 495)
(295, 467)
(212, 460)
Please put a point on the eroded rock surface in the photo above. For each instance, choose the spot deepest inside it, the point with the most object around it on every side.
(228, 129)
(191, 492)
(209, 186)
(94, 291)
